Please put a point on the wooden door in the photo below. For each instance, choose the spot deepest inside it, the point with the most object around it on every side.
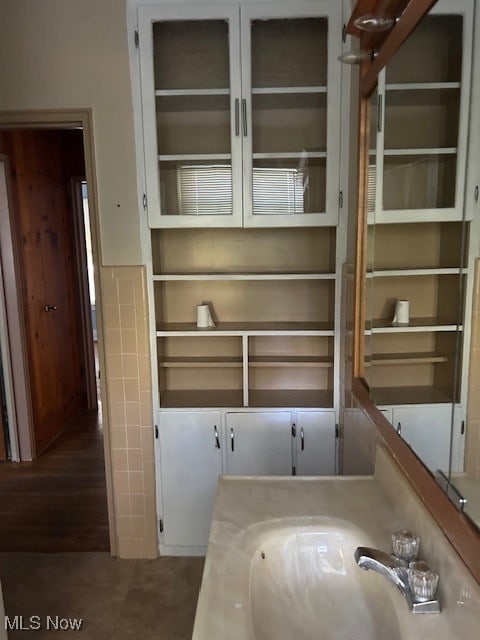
(42, 162)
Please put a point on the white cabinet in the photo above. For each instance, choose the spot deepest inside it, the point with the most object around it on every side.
(240, 113)
(427, 430)
(315, 443)
(190, 463)
(259, 443)
(423, 120)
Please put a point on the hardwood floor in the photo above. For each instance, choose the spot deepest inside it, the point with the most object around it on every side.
(57, 502)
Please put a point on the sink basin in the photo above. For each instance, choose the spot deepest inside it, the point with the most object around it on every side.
(305, 584)
(280, 562)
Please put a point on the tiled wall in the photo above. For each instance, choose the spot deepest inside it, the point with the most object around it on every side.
(128, 382)
(472, 458)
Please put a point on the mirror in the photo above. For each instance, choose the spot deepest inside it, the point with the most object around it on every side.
(416, 243)
(420, 250)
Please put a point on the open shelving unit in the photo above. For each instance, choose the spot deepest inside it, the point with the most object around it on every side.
(272, 292)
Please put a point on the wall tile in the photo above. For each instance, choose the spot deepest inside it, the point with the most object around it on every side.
(133, 413)
(131, 548)
(128, 383)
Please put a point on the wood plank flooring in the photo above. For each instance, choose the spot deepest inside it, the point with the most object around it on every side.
(57, 502)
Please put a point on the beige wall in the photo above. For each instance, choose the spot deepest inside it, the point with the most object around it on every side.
(73, 54)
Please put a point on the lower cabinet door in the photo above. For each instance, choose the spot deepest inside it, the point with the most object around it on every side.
(427, 430)
(191, 462)
(259, 443)
(315, 441)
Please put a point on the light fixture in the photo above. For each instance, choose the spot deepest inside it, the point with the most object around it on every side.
(354, 57)
(369, 22)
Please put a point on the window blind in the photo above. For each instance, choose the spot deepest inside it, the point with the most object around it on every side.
(208, 190)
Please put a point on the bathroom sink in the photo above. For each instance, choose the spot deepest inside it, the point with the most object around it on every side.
(281, 563)
(304, 584)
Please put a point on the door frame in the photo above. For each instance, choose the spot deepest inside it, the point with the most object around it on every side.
(67, 119)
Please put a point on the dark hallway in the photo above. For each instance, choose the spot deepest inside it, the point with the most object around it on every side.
(58, 501)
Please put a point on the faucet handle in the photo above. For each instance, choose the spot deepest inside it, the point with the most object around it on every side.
(405, 545)
(423, 581)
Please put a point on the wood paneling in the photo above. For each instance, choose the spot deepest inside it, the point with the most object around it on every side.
(42, 162)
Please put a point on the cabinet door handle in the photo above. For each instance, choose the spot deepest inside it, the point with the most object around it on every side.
(237, 117)
(215, 434)
(244, 116)
(302, 439)
(232, 439)
(399, 428)
(49, 307)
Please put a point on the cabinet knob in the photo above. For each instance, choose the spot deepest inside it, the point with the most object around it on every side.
(50, 307)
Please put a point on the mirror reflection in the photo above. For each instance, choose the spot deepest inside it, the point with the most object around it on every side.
(422, 308)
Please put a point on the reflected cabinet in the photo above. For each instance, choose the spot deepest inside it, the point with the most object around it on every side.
(240, 111)
(419, 236)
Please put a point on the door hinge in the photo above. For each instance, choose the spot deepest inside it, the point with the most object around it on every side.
(462, 428)
(294, 471)
(156, 432)
(294, 430)
(340, 199)
(337, 431)
(136, 38)
(160, 523)
(145, 202)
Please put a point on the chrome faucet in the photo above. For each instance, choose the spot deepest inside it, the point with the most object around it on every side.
(396, 571)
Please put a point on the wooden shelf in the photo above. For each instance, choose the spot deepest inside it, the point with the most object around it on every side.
(193, 157)
(393, 273)
(421, 86)
(288, 155)
(409, 395)
(290, 398)
(172, 277)
(201, 399)
(290, 361)
(247, 329)
(167, 93)
(200, 362)
(416, 325)
(426, 151)
(406, 358)
(287, 90)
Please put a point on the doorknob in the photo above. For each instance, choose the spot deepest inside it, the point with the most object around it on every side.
(50, 307)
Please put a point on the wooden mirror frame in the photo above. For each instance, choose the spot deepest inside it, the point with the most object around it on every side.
(460, 531)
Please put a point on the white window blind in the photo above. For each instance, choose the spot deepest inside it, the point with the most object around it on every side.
(205, 190)
(277, 190)
(208, 190)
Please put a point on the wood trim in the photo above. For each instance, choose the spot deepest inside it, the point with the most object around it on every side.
(16, 326)
(413, 13)
(84, 297)
(361, 236)
(53, 118)
(458, 528)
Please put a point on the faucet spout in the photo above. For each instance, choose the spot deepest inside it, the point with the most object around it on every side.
(395, 571)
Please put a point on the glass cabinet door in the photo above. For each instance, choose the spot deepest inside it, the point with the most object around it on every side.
(287, 89)
(196, 87)
(423, 121)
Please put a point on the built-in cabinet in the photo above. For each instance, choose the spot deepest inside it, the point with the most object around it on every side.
(421, 235)
(241, 107)
(196, 446)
